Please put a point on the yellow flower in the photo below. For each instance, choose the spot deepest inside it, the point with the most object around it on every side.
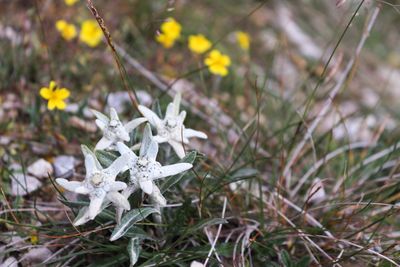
(70, 2)
(91, 33)
(170, 31)
(55, 96)
(34, 238)
(217, 63)
(68, 31)
(243, 39)
(165, 40)
(199, 43)
(171, 28)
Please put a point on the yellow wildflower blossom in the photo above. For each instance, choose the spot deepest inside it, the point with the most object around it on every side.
(217, 63)
(165, 40)
(55, 96)
(243, 39)
(170, 32)
(91, 33)
(34, 238)
(68, 31)
(199, 43)
(70, 2)
(171, 28)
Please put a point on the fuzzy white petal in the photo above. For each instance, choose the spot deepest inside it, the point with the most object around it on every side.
(126, 193)
(181, 117)
(189, 133)
(134, 123)
(160, 139)
(170, 113)
(123, 134)
(173, 169)
(87, 152)
(177, 103)
(117, 166)
(150, 115)
(68, 185)
(95, 205)
(103, 143)
(82, 216)
(101, 124)
(90, 165)
(124, 149)
(178, 148)
(100, 116)
(113, 114)
(84, 190)
(146, 186)
(118, 200)
(157, 197)
(117, 186)
(149, 147)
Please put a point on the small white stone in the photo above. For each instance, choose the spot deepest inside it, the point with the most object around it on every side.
(5, 140)
(144, 97)
(9, 262)
(121, 100)
(196, 264)
(118, 100)
(64, 166)
(316, 192)
(72, 108)
(37, 255)
(41, 168)
(22, 185)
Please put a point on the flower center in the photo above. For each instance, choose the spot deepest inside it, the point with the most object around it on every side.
(146, 169)
(170, 126)
(113, 123)
(113, 129)
(97, 179)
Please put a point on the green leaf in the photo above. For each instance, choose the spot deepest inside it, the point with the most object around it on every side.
(81, 213)
(203, 223)
(156, 108)
(74, 204)
(106, 158)
(138, 232)
(287, 262)
(244, 173)
(208, 222)
(112, 261)
(129, 220)
(172, 180)
(134, 249)
(303, 262)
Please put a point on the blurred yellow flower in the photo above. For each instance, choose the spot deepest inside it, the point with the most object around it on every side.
(55, 96)
(170, 32)
(67, 30)
(165, 40)
(171, 28)
(199, 43)
(217, 63)
(34, 238)
(243, 39)
(70, 2)
(91, 33)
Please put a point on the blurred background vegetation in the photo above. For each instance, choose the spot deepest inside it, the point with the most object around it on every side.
(335, 203)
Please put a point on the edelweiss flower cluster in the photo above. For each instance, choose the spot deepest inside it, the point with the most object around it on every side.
(100, 183)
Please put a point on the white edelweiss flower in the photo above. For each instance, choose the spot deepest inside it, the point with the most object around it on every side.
(113, 129)
(99, 184)
(171, 128)
(144, 169)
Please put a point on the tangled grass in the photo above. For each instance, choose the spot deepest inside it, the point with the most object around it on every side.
(301, 164)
